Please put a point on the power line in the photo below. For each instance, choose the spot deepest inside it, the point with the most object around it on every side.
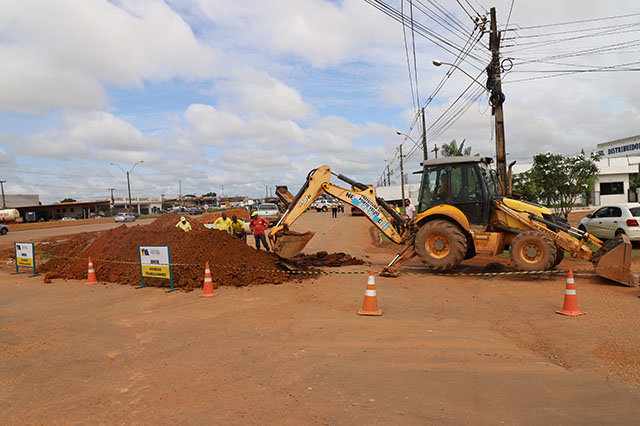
(578, 22)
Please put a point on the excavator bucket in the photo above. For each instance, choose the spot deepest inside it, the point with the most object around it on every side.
(613, 260)
(289, 244)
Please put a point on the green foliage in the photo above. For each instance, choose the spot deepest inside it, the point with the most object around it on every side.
(557, 180)
(68, 200)
(209, 194)
(452, 149)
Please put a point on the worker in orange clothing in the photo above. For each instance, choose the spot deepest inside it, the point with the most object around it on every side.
(258, 225)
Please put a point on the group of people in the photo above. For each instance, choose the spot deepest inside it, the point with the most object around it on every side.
(409, 213)
(235, 227)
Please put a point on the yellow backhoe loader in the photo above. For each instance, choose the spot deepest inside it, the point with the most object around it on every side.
(459, 215)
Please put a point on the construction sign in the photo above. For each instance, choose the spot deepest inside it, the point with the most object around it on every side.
(24, 254)
(25, 257)
(155, 262)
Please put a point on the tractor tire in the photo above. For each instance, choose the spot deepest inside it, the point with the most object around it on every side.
(441, 245)
(531, 251)
(559, 256)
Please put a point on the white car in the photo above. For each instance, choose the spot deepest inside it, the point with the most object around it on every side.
(322, 205)
(125, 217)
(609, 221)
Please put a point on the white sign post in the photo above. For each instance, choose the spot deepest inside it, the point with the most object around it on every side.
(25, 257)
(155, 262)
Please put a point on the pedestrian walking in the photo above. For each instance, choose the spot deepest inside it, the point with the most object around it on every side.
(223, 223)
(238, 229)
(184, 224)
(258, 225)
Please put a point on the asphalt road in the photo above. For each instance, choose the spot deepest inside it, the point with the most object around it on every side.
(40, 234)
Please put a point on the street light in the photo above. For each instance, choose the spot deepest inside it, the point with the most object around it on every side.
(438, 63)
(128, 181)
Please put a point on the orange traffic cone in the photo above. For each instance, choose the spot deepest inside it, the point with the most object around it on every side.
(370, 304)
(208, 284)
(570, 306)
(91, 274)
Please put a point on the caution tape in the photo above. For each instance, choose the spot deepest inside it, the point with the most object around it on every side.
(322, 272)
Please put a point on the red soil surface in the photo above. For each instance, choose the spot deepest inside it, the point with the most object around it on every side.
(115, 256)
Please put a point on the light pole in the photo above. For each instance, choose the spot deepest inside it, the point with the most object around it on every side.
(438, 63)
(128, 180)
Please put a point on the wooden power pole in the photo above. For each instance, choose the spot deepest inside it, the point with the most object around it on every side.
(496, 99)
(425, 153)
(402, 174)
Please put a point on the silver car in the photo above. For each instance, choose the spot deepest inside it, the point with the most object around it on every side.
(125, 217)
(609, 221)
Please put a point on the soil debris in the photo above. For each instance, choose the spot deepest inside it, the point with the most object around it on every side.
(322, 258)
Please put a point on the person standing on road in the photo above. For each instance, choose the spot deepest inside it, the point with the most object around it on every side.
(238, 229)
(409, 209)
(223, 223)
(334, 210)
(184, 224)
(258, 225)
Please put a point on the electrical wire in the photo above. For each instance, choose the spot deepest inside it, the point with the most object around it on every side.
(415, 65)
(579, 21)
(406, 49)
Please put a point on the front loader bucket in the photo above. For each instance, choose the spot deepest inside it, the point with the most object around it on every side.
(290, 244)
(613, 260)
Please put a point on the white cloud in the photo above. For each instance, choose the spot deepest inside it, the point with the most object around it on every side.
(88, 135)
(62, 53)
(260, 95)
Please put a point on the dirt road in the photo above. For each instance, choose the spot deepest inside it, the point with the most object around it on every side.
(446, 350)
(29, 235)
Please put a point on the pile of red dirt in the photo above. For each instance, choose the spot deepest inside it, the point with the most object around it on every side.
(211, 217)
(322, 258)
(115, 256)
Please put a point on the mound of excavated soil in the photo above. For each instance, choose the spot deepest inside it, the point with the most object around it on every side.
(232, 261)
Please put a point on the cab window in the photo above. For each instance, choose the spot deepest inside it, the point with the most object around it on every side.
(434, 187)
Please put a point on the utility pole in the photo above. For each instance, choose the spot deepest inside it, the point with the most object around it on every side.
(129, 186)
(4, 202)
(388, 176)
(425, 153)
(113, 201)
(435, 150)
(494, 84)
(402, 175)
(180, 191)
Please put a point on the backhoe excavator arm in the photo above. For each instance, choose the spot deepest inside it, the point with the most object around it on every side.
(288, 244)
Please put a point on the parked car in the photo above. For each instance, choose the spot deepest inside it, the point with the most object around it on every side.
(125, 217)
(3, 229)
(609, 221)
(68, 218)
(269, 211)
(322, 205)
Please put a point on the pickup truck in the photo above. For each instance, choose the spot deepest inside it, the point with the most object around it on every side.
(269, 211)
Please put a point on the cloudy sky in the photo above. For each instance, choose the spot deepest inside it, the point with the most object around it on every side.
(248, 94)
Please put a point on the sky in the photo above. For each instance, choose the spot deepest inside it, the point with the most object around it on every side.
(237, 97)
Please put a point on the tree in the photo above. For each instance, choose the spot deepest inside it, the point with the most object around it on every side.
(68, 200)
(209, 194)
(452, 149)
(557, 180)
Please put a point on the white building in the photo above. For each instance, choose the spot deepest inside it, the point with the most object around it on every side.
(619, 161)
